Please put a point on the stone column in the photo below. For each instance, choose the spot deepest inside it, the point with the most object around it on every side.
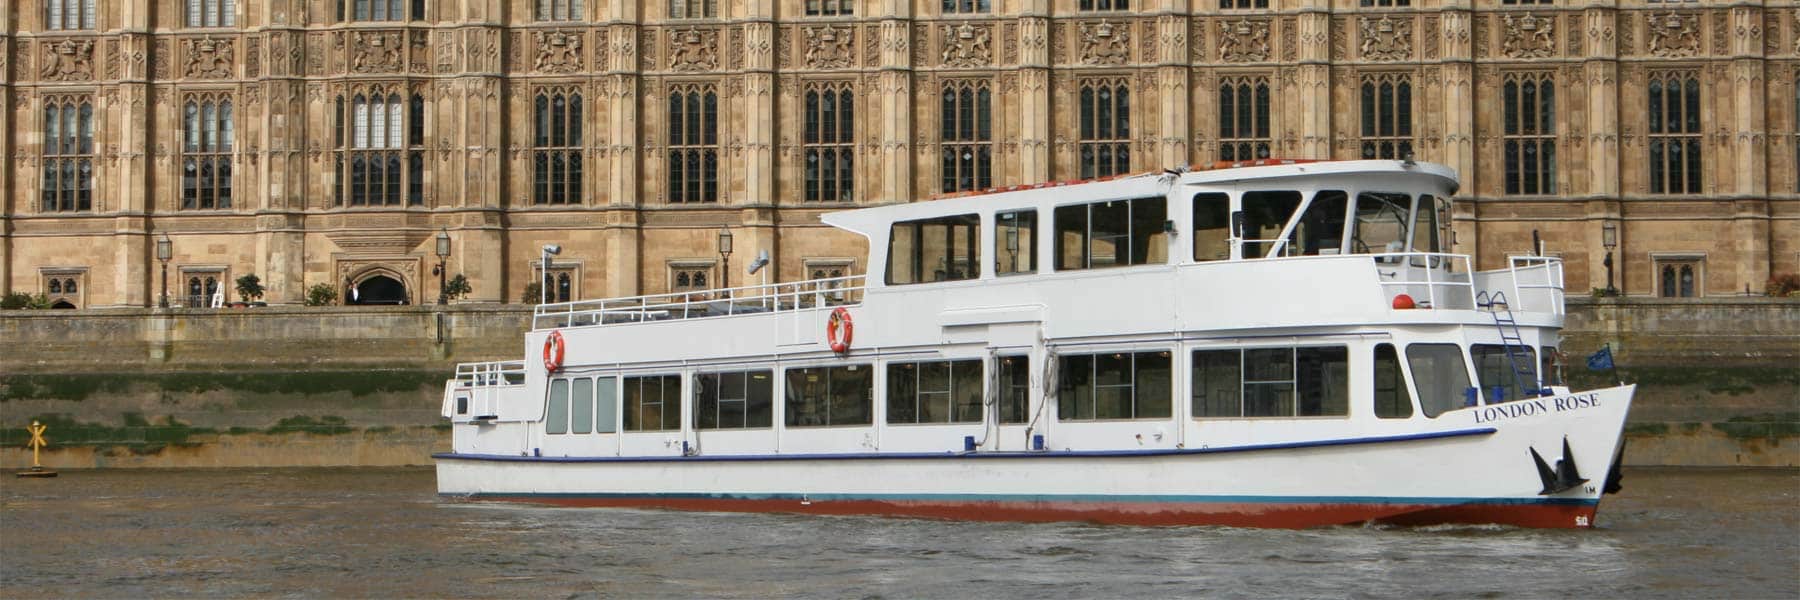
(1035, 158)
(10, 184)
(895, 92)
(1749, 141)
(120, 153)
(624, 137)
(1602, 178)
(1313, 84)
(1458, 107)
(1172, 78)
(760, 138)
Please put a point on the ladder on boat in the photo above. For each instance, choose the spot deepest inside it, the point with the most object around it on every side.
(1525, 376)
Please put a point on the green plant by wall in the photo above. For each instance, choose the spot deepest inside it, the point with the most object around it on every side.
(24, 301)
(458, 287)
(1785, 285)
(533, 293)
(321, 294)
(249, 287)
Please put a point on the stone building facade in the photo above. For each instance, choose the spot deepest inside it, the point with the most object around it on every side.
(329, 141)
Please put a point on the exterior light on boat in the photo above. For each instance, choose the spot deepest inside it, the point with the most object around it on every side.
(1403, 302)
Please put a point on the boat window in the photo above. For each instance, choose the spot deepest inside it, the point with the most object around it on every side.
(942, 391)
(1015, 242)
(928, 250)
(556, 418)
(1274, 382)
(1321, 229)
(606, 401)
(653, 403)
(738, 400)
(1265, 215)
(1427, 229)
(1111, 234)
(1393, 399)
(1015, 388)
(828, 396)
(1212, 226)
(1114, 386)
(581, 406)
(1380, 222)
(1494, 369)
(1440, 375)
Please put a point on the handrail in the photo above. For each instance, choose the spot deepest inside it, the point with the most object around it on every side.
(752, 299)
(1402, 262)
(1552, 268)
(491, 373)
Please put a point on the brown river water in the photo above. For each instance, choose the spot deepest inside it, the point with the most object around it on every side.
(384, 533)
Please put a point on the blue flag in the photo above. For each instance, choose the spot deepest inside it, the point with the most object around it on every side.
(1602, 360)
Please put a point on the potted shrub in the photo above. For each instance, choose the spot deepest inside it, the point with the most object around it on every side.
(458, 287)
(249, 287)
(321, 294)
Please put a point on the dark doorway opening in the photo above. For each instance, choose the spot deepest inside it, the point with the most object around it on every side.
(62, 304)
(379, 289)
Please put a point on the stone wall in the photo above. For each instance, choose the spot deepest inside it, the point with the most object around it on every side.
(346, 386)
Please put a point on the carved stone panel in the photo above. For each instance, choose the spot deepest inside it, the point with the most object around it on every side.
(208, 58)
(1105, 43)
(67, 60)
(557, 51)
(1386, 38)
(253, 56)
(1529, 36)
(1244, 40)
(967, 45)
(693, 49)
(829, 47)
(1674, 35)
(376, 52)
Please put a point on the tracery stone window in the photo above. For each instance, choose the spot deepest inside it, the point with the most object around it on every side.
(1384, 3)
(830, 8)
(556, 160)
(62, 288)
(1105, 127)
(693, 9)
(1244, 118)
(206, 148)
(1243, 4)
(68, 14)
(380, 10)
(211, 13)
(1674, 132)
(967, 136)
(830, 136)
(690, 276)
(693, 143)
(68, 184)
(1387, 128)
(1680, 277)
(1529, 110)
(966, 7)
(560, 10)
(559, 284)
(381, 144)
(1104, 5)
(201, 286)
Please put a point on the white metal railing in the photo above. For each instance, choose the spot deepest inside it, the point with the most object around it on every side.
(1445, 278)
(754, 299)
(1536, 279)
(490, 374)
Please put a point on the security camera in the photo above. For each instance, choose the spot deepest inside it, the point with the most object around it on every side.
(762, 260)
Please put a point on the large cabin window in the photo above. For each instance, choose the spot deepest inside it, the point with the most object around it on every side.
(1321, 228)
(1272, 382)
(581, 406)
(830, 396)
(928, 250)
(556, 416)
(1393, 399)
(1212, 226)
(1429, 226)
(1015, 389)
(653, 403)
(1381, 219)
(946, 391)
(1265, 215)
(1494, 369)
(1115, 233)
(1015, 242)
(1114, 386)
(1441, 375)
(739, 400)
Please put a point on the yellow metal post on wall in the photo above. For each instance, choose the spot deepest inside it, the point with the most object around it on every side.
(37, 442)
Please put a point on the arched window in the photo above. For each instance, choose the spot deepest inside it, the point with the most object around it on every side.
(557, 158)
(211, 13)
(967, 133)
(1244, 118)
(693, 9)
(1387, 127)
(693, 143)
(206, 153)
(56, 286)
(380, 10)
(1528, 102)
(559, 10)
(68, 168)
(1105, 128)
(830, 137)
(1674, 132)
(68, 14)
(380, 146)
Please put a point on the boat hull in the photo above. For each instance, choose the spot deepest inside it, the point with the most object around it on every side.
(1476, 468)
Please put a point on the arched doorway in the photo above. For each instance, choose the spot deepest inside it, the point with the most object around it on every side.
(378, 289)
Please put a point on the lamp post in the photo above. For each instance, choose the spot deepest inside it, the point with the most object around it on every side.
(443, 252)
(165, 250)
(1609, 237)
(544, 281)
(724, 258)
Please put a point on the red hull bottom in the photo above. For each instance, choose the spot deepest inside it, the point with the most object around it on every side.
(1229, 514)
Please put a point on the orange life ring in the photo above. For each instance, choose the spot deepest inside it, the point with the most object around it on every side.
(839, 323)
(553, 352)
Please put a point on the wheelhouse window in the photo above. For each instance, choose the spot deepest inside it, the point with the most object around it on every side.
(1321, 228)
(1015, 389)
(1528, 102)
(1494, 369)
(1271, 382)
(1393, 398)
(944, 391)
(967, 133)
(211, 13)
(556, 159)
(1244, 114)
(1441, 376)
(1015, 242)
(556, 414)
(381, 147)
(736, 400)
(68, 184)
(1105, 125)
(1674, 133)
(693, 143)
(1121, 385)
(1265, 216)
(206, 153)
(1212, 226)
(653, 403)
(1387, 127)
(1114, 233)
(830, 396)
(929, 250)
(830, 142)
(1382, 220)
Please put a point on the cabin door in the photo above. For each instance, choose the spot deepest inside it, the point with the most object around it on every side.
(1015, 356)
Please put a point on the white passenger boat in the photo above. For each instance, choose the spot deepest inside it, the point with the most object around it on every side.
(1279, 343)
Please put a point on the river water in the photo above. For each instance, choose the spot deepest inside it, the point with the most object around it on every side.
(384, 533)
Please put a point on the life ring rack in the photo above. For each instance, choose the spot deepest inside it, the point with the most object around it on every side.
(839, 329)
(554, 347)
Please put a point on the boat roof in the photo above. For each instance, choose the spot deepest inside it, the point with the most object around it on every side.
(1223, 174)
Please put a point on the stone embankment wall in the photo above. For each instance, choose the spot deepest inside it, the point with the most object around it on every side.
(337, 386)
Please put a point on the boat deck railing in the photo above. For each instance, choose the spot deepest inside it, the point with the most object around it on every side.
(490, 374)
(1537, 283)
(1442, 280)
(754, 299)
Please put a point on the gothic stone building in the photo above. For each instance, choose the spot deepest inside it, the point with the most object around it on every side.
(329, 141)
